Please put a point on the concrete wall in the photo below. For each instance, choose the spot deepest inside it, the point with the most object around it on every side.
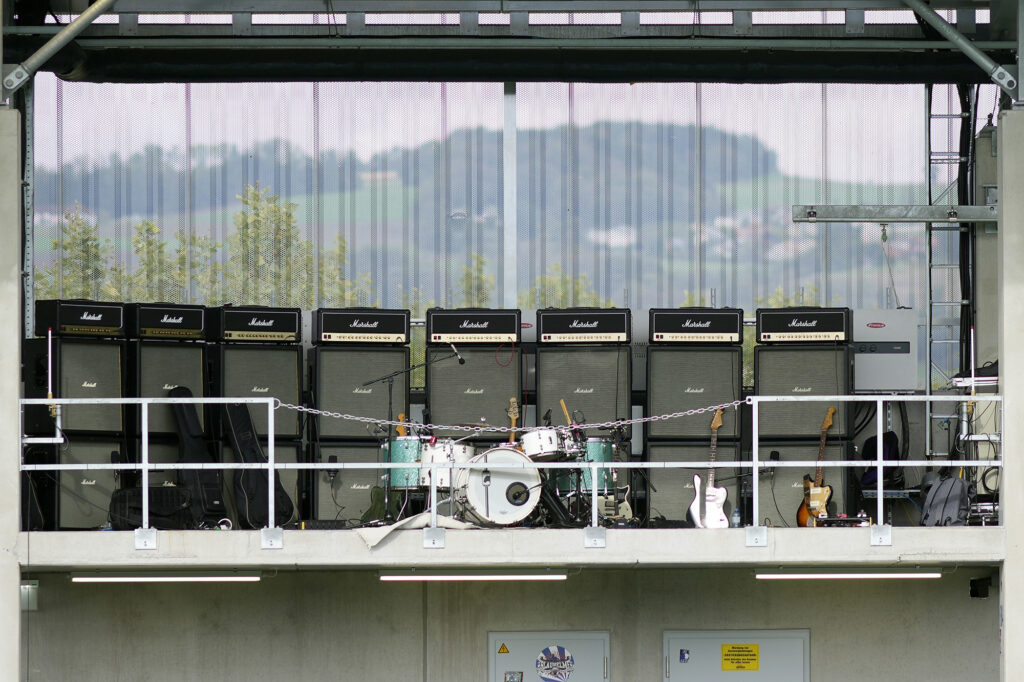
(349, 626)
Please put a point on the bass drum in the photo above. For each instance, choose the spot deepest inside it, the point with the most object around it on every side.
(497, 495)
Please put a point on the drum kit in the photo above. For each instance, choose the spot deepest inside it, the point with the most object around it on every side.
(502, 487)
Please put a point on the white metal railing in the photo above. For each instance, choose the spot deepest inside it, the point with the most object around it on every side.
(755, 464)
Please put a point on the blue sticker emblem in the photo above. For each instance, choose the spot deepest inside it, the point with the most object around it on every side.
(684, 655)
(555, 664)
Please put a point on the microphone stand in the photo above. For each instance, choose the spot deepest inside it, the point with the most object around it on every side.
(390, 379)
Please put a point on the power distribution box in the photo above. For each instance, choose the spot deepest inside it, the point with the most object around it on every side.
(885, 351)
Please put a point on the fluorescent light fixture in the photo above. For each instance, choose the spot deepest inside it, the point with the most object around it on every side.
(167, 577)
(847, 574)
(469, 574)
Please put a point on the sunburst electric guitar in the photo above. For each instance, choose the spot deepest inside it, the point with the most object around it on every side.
(714, 498)
(816, 495)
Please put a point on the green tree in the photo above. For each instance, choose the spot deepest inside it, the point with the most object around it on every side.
(474, 286)
(196, 269)
(80, 270)
(556, 289)
(268, 261)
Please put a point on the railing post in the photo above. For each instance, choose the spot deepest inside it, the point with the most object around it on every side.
(271, 467)
(879, 465)
(593, 493)
(754, 458)
(145, 464)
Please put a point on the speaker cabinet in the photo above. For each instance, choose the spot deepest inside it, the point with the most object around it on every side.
(688, 377)
(802, 371)
(264, 371)
(157, 367)
(292, 480)
(345, 496)
(594, 381)
(474, 393)
(337, 375)
(77, 499)
(671, 490)
(81, 368)
(781, 490)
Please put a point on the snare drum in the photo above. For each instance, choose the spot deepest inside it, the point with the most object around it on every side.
(600, 450)
(444, 451)
(542, 445)
(494, 495)
(405, 450)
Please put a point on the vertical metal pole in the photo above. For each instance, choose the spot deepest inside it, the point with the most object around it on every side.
(879, 468)
(433, 491)
(271, 470)
(593, 494)
(509, 179)
(754, 456)
(145, 464)
(28, 201)
(928, 268)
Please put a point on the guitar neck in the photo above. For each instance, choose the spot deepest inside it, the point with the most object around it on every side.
(821, 457)
(711, 460)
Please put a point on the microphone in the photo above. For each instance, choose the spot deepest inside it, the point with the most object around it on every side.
(462, 360)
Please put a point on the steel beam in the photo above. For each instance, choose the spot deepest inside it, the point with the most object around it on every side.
(895, 214)
(999, 74)
(500, 6)
(24, 71)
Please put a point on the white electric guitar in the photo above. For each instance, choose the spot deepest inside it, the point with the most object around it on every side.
(714, 498)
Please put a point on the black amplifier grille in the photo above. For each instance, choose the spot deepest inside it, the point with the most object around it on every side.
(593, 381)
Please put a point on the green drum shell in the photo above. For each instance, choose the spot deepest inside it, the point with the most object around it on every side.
(405, 450)
(599, 450)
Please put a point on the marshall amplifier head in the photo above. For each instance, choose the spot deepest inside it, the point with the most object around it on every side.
(803, 325)
(696, 325)
(166, 321)
(583, 325)
(80, 318)
(360, 325)
(473, 325)
(256, 324)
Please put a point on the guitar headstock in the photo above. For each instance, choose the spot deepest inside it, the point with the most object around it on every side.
(716, 422)
(827, 424)
(513, 408)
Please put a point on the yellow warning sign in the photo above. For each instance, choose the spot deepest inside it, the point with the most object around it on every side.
(503, 649)
(740, 657)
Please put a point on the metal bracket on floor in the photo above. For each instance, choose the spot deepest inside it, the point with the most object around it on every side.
(594, 536)
(757, 536)
(272, 538)
(881, 536)
(145, 538)
(433, 538)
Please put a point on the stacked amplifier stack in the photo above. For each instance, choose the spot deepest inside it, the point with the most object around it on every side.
(802, 352)
(168, 358)
(258, 354)
(694, 360)
(358, 366)
(81, 352)
(474, 370)
(583, 359)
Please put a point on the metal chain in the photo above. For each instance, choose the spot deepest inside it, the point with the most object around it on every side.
(503, 429)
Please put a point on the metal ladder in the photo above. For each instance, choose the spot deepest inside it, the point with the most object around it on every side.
(944, 165)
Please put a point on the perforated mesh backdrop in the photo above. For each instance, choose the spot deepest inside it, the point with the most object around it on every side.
(392, 194)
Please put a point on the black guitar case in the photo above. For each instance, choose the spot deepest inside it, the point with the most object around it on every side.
(251, 484)
(204, 486)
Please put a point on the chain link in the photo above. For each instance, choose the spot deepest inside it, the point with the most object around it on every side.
(503, 429)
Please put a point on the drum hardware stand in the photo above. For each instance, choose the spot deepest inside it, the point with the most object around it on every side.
(390, 379)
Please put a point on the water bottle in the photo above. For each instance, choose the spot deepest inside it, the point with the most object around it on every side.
(736, 517)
